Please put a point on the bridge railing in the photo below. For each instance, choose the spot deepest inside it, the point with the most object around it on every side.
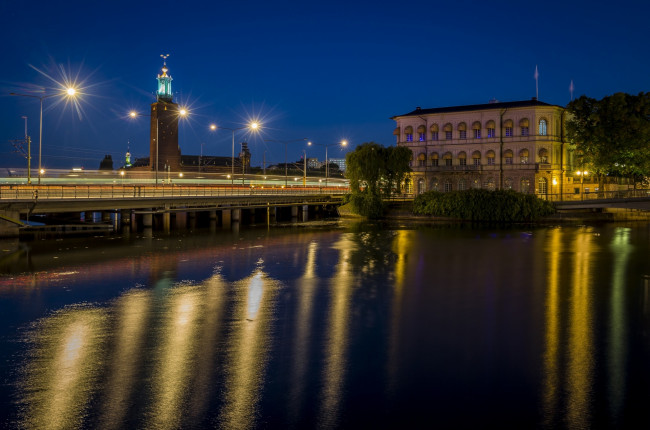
(41, 192)
(596, 195)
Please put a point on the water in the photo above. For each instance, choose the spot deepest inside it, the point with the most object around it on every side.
(348, 326)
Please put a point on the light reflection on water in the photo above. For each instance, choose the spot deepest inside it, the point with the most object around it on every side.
(352, 328)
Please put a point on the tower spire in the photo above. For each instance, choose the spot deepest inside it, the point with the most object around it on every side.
(164, 92)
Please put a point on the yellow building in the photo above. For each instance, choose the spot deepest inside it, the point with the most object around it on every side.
(518, 145)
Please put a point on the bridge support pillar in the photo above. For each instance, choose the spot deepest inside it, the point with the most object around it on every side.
(125, 217)
(294, 213)
(226, 218)
(305, 213)
(9, 223)
(106, 216)
(236, 215)
(213, 215)
(167, 221)
(147, 220)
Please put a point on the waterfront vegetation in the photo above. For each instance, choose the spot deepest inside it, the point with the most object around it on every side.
(483, 205)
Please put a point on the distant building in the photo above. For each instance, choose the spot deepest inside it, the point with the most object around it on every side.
(313, 163)
(106, 163)
(163, 142)
(516, 145)
(339, 162)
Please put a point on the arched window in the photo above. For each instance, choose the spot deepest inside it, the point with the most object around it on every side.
(461, 185)
(447, 158)
(490, 128)
(490, 157)
(476, 184)
(508, 156)
(508, 125)
(523, 156)
(476, 158)
(490, 184)
(421, 186)
(507, 183)
(408, 132)
(422, 159)
(542, 185)
(543, 155)
(462, 158)
(525, 185)
(434, 158)
(435, 186)
(542, 127)
(422, 133)
(524, 124)
(476, 129)
(434, 132)
(447, 185)
(462, 130)
(448, 131)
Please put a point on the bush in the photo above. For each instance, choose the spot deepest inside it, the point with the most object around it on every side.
(483, 205)
(367, 204)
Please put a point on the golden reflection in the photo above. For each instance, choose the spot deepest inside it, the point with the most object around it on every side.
(621, 250)
(132, 314)
(306, 291)
(402, 243)
(336, 347)
(206, 351)
(581, 348)
(249, 350)
(552, 338)
(61, 376)
(175, 359)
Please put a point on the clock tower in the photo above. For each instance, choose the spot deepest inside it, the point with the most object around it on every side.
(163, 143)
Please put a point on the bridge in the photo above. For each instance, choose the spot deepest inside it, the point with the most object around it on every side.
(143, 202)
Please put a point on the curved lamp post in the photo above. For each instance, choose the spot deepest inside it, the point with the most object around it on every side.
(327, 164)
(68, 92)
(253, 126)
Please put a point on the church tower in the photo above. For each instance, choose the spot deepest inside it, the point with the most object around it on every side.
(163, 143)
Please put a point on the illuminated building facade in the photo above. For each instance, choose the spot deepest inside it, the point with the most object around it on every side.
(516, 145)
(163, 143)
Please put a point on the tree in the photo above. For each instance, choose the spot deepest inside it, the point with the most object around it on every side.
(373, 171)
(612, 135)
(376, 168)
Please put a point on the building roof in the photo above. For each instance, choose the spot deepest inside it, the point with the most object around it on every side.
(485, 106)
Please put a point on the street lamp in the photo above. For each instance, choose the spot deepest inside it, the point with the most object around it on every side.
(327, 164)
(69, 92)
(286, 143)
(253, 126)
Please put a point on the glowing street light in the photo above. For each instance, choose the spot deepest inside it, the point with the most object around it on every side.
(327, 164)
(253, 126)
(69, 92)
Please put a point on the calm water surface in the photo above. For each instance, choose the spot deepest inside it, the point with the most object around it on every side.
(352, 326)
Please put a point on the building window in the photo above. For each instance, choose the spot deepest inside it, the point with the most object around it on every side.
(490, 161)
(477, 133)
(543, 186)
(447, 135)
(543, 156)
(508, 160)
(434, 135)
(434, 184)
(462, 134)
(490, 185)
(507, 184)
(408, 186)
(447, 186)
(476, 184)
(542, 127)
(462, 161)
(409, 137)
(448, 162)
(523, 159)
(491, 132)
(422, 137)
(477, 161)
(525, 185)
(508, 131)
(524, 131)
(461, 185)
(434, 162)
(421, 186)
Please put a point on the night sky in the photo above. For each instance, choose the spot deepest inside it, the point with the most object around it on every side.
(325, 71)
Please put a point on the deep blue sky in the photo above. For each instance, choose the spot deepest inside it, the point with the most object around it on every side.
(322, 70)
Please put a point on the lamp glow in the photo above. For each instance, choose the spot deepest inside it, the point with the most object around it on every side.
(71, 91)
